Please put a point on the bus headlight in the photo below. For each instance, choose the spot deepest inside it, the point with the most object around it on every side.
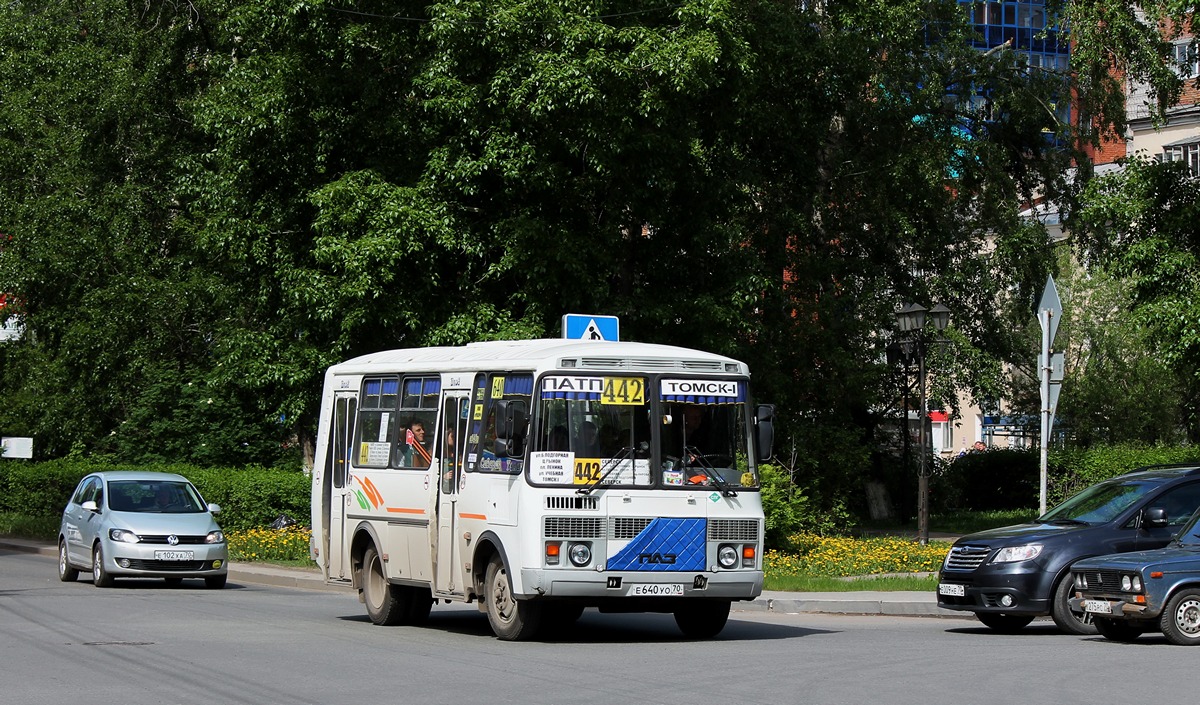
(727, 556)
(580, 554)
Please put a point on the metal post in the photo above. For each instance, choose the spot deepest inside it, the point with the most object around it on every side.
(923, 476)
(1044, 442)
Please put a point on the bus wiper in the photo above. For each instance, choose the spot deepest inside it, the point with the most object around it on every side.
(613, 463)
(713, 476)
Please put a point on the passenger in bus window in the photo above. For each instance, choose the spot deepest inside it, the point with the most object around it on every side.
(419, 455)
(587, 443)
(449, 462)
(559, 439)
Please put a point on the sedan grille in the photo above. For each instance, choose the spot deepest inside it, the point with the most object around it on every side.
(966, 558)
(1102, 580)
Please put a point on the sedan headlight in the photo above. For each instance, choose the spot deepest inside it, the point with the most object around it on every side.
(1131, 583)
(123, 535)
(1013, 554)
(215, 537)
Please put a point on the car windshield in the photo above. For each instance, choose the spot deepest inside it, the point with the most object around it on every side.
(1099, 503)
(1189, 535)
(154, 496)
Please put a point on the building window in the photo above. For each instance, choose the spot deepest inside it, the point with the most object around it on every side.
(1184, 58)
(1188, 153)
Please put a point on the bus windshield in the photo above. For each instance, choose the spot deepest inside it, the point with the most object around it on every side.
(592, 428)
(596, 430)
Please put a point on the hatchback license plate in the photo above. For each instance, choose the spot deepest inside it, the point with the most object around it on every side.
(666, 590)
(952, 589)
(1097, 606)
(173, 555)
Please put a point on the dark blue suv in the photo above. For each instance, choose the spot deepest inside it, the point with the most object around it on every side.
(1010, 575)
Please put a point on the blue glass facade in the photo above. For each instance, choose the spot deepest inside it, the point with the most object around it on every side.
(1025, 25)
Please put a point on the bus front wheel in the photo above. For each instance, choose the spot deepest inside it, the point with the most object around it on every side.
(511, 619)
(703, 620)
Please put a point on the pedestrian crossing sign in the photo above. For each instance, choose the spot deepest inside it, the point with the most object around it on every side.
(583, 326)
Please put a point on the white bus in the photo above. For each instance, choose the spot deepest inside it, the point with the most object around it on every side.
(540, 477)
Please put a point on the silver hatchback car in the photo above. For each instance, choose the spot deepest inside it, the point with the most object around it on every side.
(144, 525)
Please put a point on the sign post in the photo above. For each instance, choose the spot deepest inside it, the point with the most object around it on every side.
(1051, 370)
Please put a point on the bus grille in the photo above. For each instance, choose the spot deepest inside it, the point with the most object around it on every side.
(572, 502)
(574, 527)
(627, 527)
(966, 558)
(732, 530)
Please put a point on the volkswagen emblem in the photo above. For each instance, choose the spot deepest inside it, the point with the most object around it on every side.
(173, 540)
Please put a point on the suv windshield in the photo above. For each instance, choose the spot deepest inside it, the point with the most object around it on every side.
(1100, 503)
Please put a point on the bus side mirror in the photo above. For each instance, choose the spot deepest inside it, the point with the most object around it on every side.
(511, 422)
(764, 425)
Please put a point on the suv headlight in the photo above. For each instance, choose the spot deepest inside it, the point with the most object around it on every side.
(1013, 554)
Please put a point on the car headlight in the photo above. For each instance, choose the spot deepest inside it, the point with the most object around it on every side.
(1131, 583)
(215, 537)
(123, 535)
(1018, 553)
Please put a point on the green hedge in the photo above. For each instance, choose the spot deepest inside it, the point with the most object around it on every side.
(1002, 479)
(1070, 471)
(249, 497)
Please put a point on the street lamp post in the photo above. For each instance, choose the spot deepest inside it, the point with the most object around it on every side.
(910, 320)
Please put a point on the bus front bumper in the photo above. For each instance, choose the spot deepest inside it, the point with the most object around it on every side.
(731, 585)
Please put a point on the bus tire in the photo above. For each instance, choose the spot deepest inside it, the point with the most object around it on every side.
(387, 604)
(420, 602)
(511, 619)
(702, 619)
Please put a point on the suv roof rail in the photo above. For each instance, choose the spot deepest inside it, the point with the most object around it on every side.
(1192, 467)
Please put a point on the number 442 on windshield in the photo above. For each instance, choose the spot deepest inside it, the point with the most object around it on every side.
(624, 391)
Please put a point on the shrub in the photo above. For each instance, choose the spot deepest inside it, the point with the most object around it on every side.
(1071, 471)
(996, 479)
(249, 497)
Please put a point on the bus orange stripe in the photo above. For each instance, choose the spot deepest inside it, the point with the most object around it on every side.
(405, 510)
(472, 516)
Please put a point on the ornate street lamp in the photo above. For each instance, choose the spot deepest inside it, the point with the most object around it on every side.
(910, 321)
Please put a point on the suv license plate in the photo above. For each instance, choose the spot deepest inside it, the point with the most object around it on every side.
(1097, 606)
(173, 555)
(952, 589)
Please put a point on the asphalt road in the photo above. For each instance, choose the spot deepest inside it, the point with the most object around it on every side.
(144, 642)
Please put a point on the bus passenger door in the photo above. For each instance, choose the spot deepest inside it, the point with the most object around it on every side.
(345, 406)
(451, 444)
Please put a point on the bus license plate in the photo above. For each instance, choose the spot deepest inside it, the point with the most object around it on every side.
(667, 590)
(173, 555)
(952, 589)
(1097, 606)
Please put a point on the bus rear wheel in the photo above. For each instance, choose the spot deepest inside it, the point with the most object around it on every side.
(387, 604)
(703, 620)
(511, 619)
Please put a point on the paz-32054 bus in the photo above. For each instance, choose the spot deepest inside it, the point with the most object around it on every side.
(541, 477)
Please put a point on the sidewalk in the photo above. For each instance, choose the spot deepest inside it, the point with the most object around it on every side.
(913, 604)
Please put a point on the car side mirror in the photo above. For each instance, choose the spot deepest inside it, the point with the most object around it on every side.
(1154, 517)
(214, 508)
(91, 506)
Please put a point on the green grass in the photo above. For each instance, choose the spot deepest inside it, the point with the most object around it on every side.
(32, 528)
(824, 583)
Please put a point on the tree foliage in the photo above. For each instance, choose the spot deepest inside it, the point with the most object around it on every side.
(213, 202)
